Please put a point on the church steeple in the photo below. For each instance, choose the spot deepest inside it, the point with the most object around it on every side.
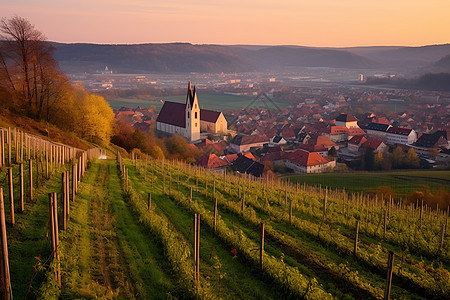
(190, 95)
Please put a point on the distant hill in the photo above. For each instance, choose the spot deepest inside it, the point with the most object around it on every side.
(403, 57)
(440, 66)
(183, 57)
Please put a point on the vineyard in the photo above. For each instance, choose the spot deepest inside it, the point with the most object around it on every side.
(144, 228)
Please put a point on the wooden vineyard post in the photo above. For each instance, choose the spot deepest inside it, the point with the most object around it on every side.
(74, 181)
(30, 169)
(191, 195)
(11, 194)
(285, 195)
(197, 249)
(214, 187)
(149, 201)
(170, 183)
(385, 224)
(2, 148)
(390, 264)
(63, 198)
(126, 179)
(421, 214)
(68, 192)
(261, 255)
(389, 209)
(5, 276)
(355, 249)
(215, 214)
(55, 234)
(325, 204)
(206, 188)
(9, 146)
(243, 202)
(290, 212)
(446, 219)
(164, 183)
(442, 237)
(21, 192)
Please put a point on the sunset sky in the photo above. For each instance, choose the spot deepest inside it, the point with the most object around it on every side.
(336, 23)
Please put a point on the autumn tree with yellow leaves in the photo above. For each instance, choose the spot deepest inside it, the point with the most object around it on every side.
(31, 83)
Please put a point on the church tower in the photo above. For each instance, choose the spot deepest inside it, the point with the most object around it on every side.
(192, 115)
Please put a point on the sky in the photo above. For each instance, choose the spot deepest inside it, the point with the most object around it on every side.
(321, 23)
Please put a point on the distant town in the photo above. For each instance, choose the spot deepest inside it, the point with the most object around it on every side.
(304, 129)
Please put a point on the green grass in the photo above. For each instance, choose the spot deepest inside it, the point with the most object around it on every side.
(240, 279)
(207, 101)
(107, 253)
(402, 181)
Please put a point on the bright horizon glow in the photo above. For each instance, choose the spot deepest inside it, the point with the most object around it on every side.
(322, 23)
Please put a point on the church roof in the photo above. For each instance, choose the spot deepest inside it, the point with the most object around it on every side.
(190, 95)
(346, 118)
(209, 115)
(173, 113)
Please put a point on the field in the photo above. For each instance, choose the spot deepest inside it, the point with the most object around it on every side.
(130, 235)
(402, 182)
(207, 101)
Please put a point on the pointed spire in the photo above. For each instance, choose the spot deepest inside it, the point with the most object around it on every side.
(189, 86)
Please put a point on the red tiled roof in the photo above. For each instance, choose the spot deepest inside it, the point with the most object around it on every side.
(372, 144)
(210, 160)
(321, 141)
(304, 158)
(273, 156)
(173, 113)
(399, 130)
(357, 140)
(209, 115)
(355, 131)
(232, 157)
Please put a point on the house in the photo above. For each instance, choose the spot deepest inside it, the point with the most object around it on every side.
(347, 120)
(398, 135)
(277, 140)
(230, 158)
(246, 165)
(211, 161)
(212, 121)
(243, 143)
(374, 145)
(303, 137)
(186, 118)
(377, 130)
(428, 141)
(355, 143)
(301, 161)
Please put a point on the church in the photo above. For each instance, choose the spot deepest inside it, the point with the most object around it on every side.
(188, 120)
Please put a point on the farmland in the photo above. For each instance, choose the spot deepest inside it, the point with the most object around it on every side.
(130, 234)
(207, 101)
(402, 182)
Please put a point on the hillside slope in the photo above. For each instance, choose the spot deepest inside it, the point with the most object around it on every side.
(182, 57)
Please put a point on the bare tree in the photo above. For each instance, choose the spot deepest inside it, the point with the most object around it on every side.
(27, 66)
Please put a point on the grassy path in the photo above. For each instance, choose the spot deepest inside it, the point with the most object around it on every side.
(107, 254)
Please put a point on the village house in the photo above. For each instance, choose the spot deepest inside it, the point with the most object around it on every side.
(398, 135)
(243, 143)
(377, 130)
(301, 161)
(427, 142)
